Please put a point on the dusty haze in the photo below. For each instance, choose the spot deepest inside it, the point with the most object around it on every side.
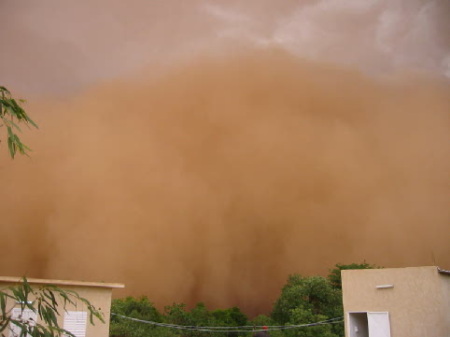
(217, 171)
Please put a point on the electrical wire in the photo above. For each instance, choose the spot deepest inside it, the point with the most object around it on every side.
(245, 328)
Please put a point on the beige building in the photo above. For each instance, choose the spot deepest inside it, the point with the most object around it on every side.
(397, 302)
(76, 318)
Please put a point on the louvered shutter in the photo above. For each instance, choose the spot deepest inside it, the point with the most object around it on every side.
(26, 315)
(75, 322)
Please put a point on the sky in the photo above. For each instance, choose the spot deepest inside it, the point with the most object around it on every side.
(58, 46)
(205, 150)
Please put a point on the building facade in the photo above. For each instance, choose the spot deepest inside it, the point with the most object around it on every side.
(76, 318)
(397, 302)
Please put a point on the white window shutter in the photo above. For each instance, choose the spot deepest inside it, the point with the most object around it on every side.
(379, 325)
(75, 322)
(26, 315)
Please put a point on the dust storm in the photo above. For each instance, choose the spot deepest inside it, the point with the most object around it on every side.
(220, 178)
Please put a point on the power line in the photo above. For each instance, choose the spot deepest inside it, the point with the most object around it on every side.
(245, 328)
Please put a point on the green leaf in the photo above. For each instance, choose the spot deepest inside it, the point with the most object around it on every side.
(14, 125)
(29, 120)
(3, 304)
(11, 114)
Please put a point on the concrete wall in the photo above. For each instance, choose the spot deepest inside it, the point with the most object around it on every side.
(445, 314)
(418, 303)
(98, 294)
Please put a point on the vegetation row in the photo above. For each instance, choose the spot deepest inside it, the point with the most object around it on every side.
(302, 300)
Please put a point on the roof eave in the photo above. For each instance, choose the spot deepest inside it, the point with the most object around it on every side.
(11, 279)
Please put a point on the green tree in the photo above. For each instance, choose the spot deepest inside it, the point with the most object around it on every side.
(300, 315)
(177, 314)
(314, 293)
(308, 300)
(334, 277)
(198, 316)
(140, 308)
(230, 317)
(262, 320)
(46, 303)
(11, 115)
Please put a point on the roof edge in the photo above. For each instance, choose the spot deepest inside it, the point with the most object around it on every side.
(439, 269)
(443, 271)
(12, 279)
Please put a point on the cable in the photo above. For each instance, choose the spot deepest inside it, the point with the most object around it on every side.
(245, 328)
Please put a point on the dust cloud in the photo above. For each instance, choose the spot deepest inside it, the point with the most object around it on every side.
(215, 181)
(204, 150)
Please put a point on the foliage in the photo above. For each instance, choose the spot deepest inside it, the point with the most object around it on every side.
(11, 114)
(176, 313)
(301, 315)
(310, 293)
(200, 316)
(262, 320)
(307, 300)
(230, 317)
(302, 300)
(140, 308)
(334, 277)
(46, 303)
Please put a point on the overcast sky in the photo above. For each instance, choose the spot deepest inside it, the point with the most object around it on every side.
(59, 46)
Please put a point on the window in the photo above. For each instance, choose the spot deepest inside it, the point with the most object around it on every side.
(25, 315)
(75, 322)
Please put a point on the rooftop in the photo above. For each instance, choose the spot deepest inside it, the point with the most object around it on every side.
(443, 271)
(12, 279)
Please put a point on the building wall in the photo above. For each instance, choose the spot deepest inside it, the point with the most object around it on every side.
(100, 298)
(416, 304)
(445, 314)
(98, 295)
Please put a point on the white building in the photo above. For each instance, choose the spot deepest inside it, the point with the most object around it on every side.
(75, 319)
(397, 302)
